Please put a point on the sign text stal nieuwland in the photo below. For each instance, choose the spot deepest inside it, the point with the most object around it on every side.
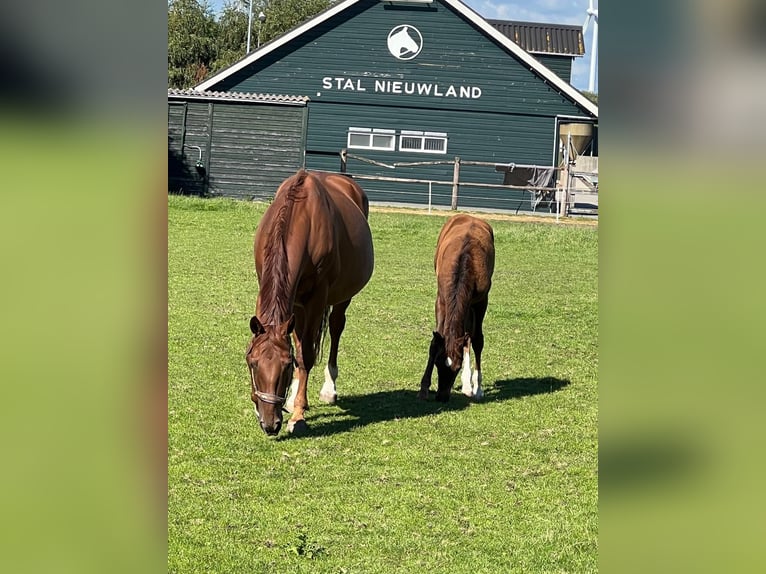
(402, 87)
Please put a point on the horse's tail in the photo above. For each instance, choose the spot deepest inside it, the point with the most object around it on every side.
(459, 299)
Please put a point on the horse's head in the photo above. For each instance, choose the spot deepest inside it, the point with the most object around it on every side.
(270, 361)
(448, 359)
(401, 43)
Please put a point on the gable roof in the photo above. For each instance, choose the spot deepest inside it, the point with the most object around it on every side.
(540, 38)
(488, 29)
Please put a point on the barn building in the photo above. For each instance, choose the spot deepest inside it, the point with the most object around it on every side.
(413, 82)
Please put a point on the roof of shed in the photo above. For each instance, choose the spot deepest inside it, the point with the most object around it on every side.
(237, 97)
(540, 38)
(465, 11)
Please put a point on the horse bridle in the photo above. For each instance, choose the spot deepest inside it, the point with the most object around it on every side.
(270, 398)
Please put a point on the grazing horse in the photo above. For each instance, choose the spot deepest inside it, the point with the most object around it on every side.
(313, 253)
(464, 263)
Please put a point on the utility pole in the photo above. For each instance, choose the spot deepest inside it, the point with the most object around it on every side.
(249, 24)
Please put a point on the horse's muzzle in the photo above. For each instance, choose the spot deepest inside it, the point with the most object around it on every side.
(272, 429)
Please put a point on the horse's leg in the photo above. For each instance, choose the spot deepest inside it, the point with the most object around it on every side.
(337, 320)
(425, 382)
(465, 376)
(478, 346)
(290, 403)
(300, 320)
(305, 357)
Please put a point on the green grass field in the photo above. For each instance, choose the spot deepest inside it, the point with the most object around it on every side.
(381, 482)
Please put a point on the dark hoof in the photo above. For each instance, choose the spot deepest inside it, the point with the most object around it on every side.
(423, 395)
(298, 427)
(442, 398)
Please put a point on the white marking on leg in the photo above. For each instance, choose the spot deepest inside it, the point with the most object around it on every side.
(478, 393)
(290, 404)
(328, 393)
(466, 376)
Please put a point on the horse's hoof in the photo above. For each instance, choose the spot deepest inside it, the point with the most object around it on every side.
(328, 398)
(423, 395)
(478, 395)
(297, 427)
(467, 391)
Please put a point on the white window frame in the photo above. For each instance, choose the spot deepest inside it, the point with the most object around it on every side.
(371, 132)
(440, 136)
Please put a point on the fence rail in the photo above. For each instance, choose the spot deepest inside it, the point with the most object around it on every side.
(564, 196)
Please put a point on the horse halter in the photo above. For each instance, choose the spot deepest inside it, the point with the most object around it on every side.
(270, 398)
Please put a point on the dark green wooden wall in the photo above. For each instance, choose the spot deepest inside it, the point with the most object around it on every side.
(248, 148)
(187, 127)
(352, 45)
(343, 63)
(514, 139)
(561, 65)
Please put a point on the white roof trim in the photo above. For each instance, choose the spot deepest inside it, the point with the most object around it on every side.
(534, 64)
(276, 43)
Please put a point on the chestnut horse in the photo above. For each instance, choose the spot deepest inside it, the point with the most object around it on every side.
(464, 263)
(313, 253)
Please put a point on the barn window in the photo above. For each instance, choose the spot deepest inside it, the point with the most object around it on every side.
(423, 142)
(371, 138)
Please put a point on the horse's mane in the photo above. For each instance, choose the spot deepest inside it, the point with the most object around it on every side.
(458, 299)
(275, 292)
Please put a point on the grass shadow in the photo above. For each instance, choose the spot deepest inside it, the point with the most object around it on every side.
(362, 410)
(506, 389)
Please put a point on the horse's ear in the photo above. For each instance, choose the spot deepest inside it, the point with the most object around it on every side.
(255, 326)
(437, 336)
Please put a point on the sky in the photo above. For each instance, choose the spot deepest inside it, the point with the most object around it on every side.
(548, 11)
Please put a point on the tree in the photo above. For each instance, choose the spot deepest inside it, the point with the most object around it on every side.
(200, 45)
(282, 15)
(192, 38)
(232, 34)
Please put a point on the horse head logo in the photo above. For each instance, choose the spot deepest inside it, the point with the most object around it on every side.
(405, 42)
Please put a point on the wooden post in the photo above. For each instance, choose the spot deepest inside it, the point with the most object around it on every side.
(429, 196)
(206, 177)
(455, 182)
(343, 160)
